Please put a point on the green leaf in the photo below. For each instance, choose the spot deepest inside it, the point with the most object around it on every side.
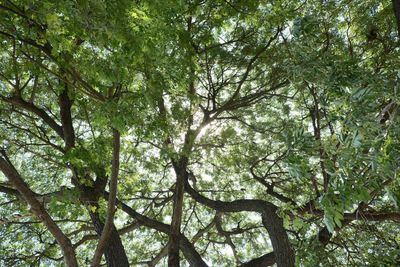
(330, 224)
(93, 208)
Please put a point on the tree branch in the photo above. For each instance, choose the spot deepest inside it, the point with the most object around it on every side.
(111, 202)
(30, 197)
(272, 222)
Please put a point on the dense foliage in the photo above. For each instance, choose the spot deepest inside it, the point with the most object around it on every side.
(232, 132)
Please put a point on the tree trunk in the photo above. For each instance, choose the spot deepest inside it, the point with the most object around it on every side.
(284, 254)
(396, 7)
(114, 250)
(175, 232)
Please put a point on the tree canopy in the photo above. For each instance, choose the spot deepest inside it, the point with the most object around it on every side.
(199, 133)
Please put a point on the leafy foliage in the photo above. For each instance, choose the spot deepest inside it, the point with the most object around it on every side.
(293, 103)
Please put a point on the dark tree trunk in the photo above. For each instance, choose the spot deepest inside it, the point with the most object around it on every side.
(175, 232)
(396, 7)
(284, 254)
(173, 249)
(114, 250)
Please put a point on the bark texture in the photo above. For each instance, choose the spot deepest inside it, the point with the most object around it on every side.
(114, 250)
(175, 232)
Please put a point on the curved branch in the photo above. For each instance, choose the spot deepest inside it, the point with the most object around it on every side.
(265, 260)
(273, 223)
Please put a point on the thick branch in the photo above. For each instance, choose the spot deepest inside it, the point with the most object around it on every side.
(274, 225)
(265, 260)
(111, 202)
(175, 233)
(13, 176)
(66, 118)
(185, 245)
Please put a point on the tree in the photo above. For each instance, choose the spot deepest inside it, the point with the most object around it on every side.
(199, 133)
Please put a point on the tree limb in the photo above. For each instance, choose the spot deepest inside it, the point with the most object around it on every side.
(30, 197)
(111, 202)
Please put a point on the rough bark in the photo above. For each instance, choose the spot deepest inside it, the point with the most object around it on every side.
(175, 232)
(284, 254)
(114, 250)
